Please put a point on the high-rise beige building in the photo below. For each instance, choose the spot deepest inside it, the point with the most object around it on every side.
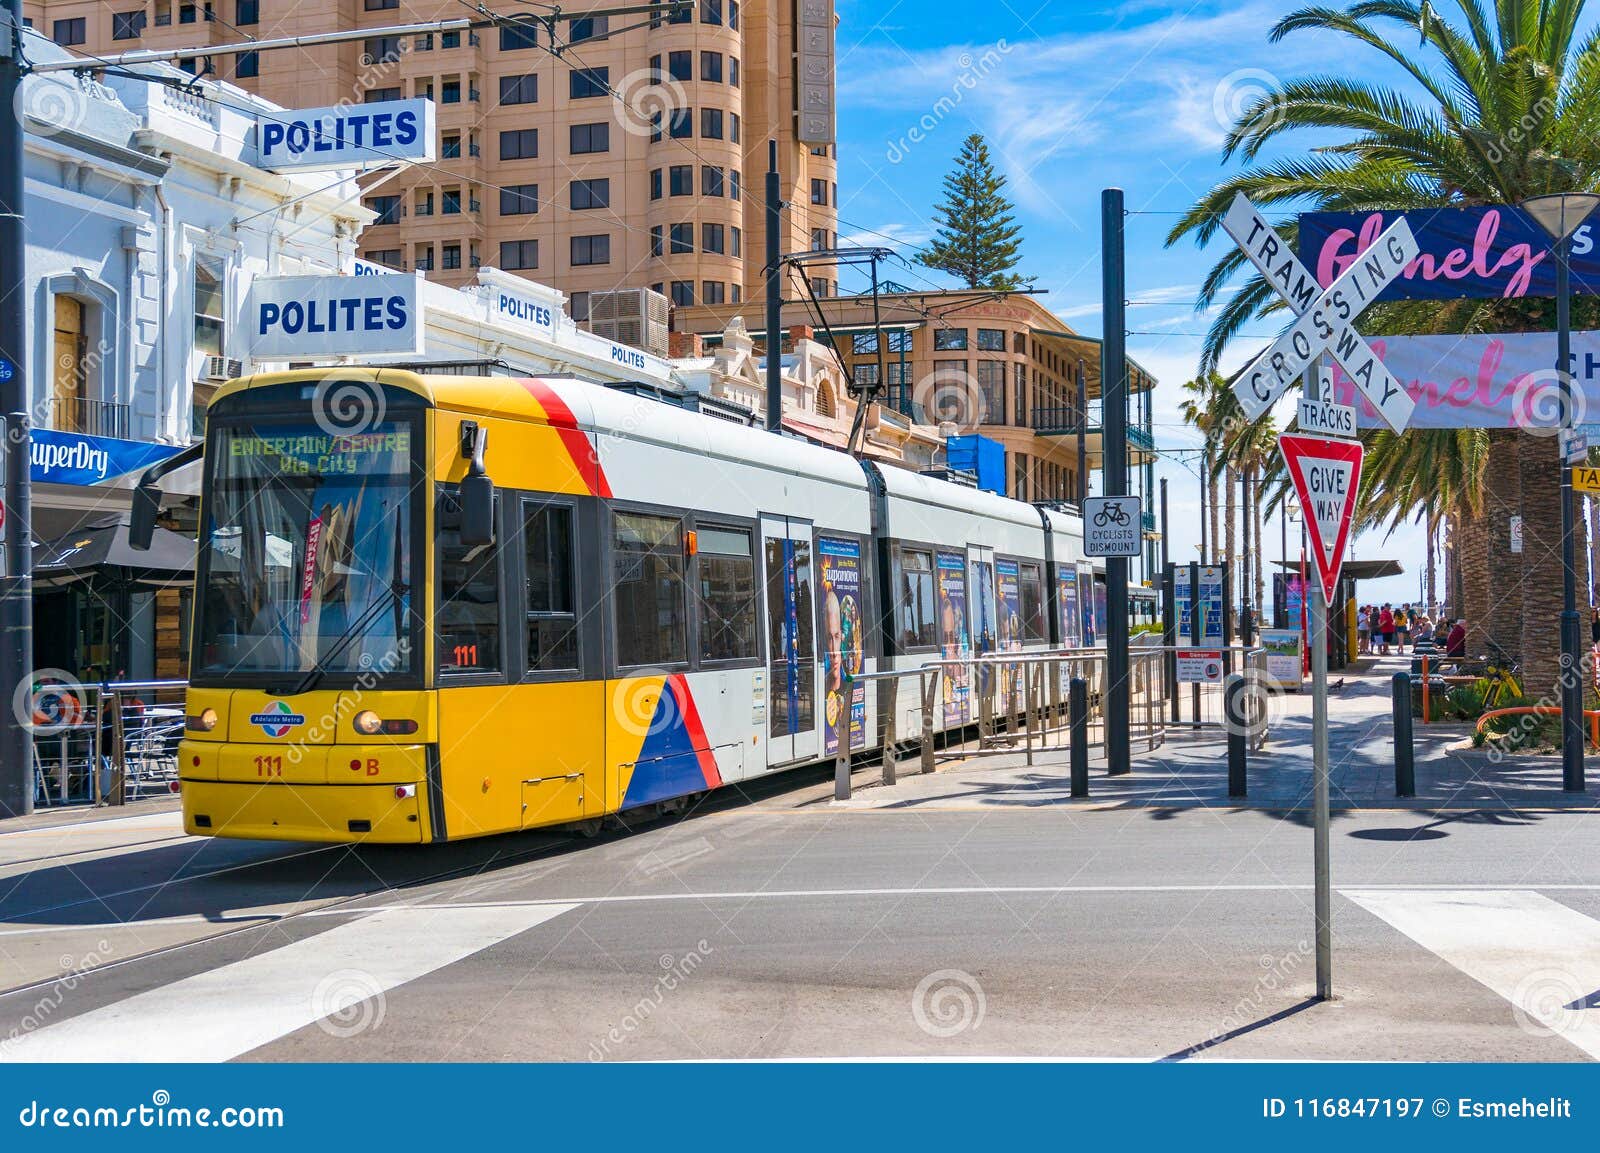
(631, 155)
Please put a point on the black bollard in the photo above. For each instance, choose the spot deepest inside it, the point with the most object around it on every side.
(1405, 761)
(1078, 720)
(1234, 722)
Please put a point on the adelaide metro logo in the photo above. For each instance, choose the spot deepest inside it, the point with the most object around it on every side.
(277, 719)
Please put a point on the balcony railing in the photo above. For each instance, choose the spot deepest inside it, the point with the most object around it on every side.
(1057, 420)
(90, 417)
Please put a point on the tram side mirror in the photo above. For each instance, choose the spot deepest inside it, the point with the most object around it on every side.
(477, 489)
(142, 516)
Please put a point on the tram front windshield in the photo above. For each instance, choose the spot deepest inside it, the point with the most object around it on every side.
(307, 551)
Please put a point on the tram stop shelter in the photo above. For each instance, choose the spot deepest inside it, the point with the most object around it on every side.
(1342, 613)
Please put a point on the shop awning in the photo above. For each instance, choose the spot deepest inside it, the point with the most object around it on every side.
(101, 550)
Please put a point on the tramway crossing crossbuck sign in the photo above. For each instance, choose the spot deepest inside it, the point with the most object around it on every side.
(1327, 316)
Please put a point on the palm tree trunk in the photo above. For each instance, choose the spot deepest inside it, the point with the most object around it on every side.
(1430, 589)
(1260, 572)
(1229, 550)
(1539, 464)
(1593, 524)
(1502, 499)
(1472, 569)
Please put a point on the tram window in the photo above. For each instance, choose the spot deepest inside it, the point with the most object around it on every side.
(552, 611)
(469, 606)
(1032, 602)
(915, 611)
(652, 610)
(727, 594)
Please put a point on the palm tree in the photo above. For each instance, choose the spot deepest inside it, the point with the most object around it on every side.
(1501, 103)
(1207, 407)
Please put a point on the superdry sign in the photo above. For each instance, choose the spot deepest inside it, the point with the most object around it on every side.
(346, 137)
(76, 459)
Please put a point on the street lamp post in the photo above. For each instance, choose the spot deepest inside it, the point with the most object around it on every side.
(1560, 215)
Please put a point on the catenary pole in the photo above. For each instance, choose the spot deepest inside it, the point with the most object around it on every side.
(1114, 423)
(774, 210)
(16, 586)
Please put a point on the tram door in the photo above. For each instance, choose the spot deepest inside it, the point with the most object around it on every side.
(984, 616)
(791, 640)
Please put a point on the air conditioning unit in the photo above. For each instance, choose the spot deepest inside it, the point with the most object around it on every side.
(221, 368)
(631, 316)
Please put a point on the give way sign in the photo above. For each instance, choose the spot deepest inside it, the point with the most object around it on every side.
(1326, 474)
(1326, 316)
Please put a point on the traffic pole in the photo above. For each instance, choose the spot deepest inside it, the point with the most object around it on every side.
(1319, 764)
(1114, 421)
(774, 221)
(16, 585)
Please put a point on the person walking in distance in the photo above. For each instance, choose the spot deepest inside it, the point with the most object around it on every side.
(1385, 630)
(1402, 628)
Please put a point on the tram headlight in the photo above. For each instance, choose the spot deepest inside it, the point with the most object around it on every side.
(203, 722)
(367, 723)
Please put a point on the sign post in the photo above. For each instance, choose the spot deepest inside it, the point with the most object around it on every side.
(1326, 472)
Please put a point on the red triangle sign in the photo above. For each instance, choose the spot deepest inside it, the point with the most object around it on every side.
(1327, 475)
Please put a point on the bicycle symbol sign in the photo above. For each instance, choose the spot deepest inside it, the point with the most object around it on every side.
(1111, 526)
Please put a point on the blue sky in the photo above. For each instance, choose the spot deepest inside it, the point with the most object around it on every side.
(1074, 98)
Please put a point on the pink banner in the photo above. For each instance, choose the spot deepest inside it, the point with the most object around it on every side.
(1504, 381)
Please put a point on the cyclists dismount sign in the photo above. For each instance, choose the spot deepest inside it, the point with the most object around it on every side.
(1111, 526)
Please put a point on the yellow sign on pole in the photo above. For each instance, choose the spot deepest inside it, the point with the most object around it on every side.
(1586, 479)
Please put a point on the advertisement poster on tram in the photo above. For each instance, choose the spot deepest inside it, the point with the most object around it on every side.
(1086, 587)
(1067, 604)
(844, 701)
(954, 643)
(1008, 592)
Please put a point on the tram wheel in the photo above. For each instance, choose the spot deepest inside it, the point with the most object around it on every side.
(589, 829)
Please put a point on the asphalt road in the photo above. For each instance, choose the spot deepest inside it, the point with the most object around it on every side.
(785, 927)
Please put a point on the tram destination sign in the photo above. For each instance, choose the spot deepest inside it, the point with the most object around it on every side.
(1326, 316)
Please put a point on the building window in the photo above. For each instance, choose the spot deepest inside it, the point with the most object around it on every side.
(711, 123)
(819, 191)
(449, 40)
(450, 91)
(379, 95)
(247, 12)
(655, 68)
(70, 32)
(711, 67)
(552, 611)
(578, 306)
(711, 292)
(682, 124)
(380, 5)
(819, 239)
(681, 182)
(733, 127)
(586, 138)
(991, 340)
(992, 383)
(208, 304)
(516, 37)
(684, 15)
(655, 128)
(452, 256)
(450, 202)
(450, 147)
(187, 14)
(712, 238)
(388, 257)
(519, 200)
(591, 250)
(864, 343)
(519, 254)
(591, 194)
(247, 65)
(683, 293)
(424, 260)
(469, 605)
(387, 208)
(521, 89)
(70, 384)
(736, 297)
(587, 82)
(864, 377)
(711, 180)
(711, 11)
(1019, 393)
(655, 239)
(582, 28)
(728, 598)
(680, 65)
(949, 340)
(380, 50)
(650, 591)
(519, 144)
(733, 71)
(737, 247)
(733, 14)
(733, 183)
(682, 239)
(127, 25)
(655, 184)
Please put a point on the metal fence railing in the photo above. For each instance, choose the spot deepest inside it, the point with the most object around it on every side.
(109, 743)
